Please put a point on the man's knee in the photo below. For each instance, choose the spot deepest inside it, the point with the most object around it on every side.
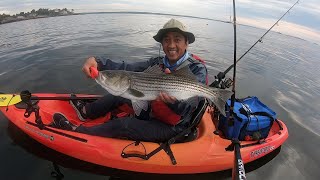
(104, 105)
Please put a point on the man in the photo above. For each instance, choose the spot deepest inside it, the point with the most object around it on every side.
(166, 116)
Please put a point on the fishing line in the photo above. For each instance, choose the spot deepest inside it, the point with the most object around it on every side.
(230, 16)
(159, 49)
(260, 39)
(228, 10)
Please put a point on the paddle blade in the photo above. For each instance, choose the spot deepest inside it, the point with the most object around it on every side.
(9, 99)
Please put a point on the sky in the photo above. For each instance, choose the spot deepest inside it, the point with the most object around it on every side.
(303, 21)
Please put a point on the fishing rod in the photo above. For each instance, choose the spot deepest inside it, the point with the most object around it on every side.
(221, 75)
(238, 171)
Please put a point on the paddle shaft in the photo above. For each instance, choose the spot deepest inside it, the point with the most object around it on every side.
(61, 98)
(238, 171)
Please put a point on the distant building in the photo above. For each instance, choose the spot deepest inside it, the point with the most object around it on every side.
(64, 12)
(33, 15)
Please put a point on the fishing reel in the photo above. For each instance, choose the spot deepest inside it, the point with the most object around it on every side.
(226, 83)
(221, 82)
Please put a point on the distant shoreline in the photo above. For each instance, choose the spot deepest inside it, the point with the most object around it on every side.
(11, 20)
(35, 14)
(120, 12)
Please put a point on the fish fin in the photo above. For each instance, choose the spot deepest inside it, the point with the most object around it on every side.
(185, 72)
(135, 92)
(220, 101)
(139, 105)
(154, 70)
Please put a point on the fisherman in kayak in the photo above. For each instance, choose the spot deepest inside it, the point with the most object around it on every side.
(165, 116)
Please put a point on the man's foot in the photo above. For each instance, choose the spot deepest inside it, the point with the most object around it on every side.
(60, 121)
(78, 106)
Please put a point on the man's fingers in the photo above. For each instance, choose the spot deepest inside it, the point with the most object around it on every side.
(166, 98)
(167, 71)
(171, 99)
(161, 96)
(90, 62)
(86, 71)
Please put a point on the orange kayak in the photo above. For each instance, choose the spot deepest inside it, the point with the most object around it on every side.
(206, 153)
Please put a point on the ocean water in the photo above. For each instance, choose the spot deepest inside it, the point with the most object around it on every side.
(46, 55)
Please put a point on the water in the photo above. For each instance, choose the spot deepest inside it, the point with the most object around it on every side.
(46, 55)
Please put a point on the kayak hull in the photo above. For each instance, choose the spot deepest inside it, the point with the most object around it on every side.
(204, 154)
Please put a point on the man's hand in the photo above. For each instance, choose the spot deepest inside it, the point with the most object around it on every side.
(90, 62)
(163, 96)
(166, 98)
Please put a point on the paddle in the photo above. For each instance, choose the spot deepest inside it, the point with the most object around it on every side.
(11, 99)
(238, 171)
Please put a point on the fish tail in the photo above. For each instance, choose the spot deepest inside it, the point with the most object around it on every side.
(221, 98)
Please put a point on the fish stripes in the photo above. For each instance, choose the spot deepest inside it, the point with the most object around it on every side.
(146, 86)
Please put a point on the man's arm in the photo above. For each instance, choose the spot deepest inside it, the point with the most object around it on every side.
(108, 64)
(103, 63)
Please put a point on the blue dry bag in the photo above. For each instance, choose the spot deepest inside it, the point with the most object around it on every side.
(252, 120)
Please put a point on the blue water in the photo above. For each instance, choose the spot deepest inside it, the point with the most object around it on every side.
(46, 55)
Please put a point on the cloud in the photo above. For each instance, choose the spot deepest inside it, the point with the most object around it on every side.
(310, 7)
(284, 27)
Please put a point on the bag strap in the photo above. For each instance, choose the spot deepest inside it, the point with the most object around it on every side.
(248, 113)
(262, 114)
(280, 126)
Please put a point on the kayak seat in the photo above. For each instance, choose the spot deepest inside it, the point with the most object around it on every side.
(191, 133)
(188, 134)
(188, 137)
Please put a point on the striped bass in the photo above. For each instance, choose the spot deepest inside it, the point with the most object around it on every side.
(141, 87)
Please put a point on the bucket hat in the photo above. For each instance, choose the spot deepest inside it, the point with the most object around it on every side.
(174, 25)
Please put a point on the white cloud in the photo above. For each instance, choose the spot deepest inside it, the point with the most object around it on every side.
(310, 7)
(284, 27)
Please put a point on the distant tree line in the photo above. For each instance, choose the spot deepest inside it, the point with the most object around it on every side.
(42, 12)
